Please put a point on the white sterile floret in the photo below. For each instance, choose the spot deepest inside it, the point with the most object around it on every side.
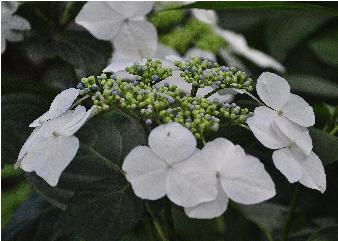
(307, 169)
(240, 177)
(12, 26)
(274, 91)
(284, 128)
(52, 146)
(61, 103)
(172, 166)
(124, 24)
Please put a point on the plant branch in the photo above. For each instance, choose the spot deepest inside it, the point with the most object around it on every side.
(157, 224)
(291, 211)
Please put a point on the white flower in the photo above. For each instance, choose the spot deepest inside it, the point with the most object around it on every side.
(283, 127)
(61, 103)
(52, 145)
(125, 25)
(240, 177)
(237, 42)
(171, 166)
(12, 26)
(296, 166)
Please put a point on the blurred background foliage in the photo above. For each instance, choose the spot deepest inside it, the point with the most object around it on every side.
(56, 53)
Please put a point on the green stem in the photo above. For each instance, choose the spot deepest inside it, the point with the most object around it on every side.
(212, 92)
(194, 90)
(253, 97)
(66, 13)
(169, 219)
(334, 131)
(291, 211)
(220, 226)
(157, 224)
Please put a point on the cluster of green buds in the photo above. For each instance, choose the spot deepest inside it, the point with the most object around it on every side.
(151, 72)
(192, 70)
(224, 77)
(158, 104)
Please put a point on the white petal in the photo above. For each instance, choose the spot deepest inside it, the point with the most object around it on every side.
(119, 65)
(58, 125)
(261, 59)
(286, 162)
(313, 173)
(51, 157)
(219, 153)
(196, 52)
(245, 180)
(163, 51)
(100, 19)
(146, 172)
(136, 39)
(261, 124)
(273, 90)
(172, 142)
(299, 111)
(61, 103)
(177, 80)
(69, 130)
(298, 134)
(30, 142)
(211, 209)
(205, 16)
(131, 9)
(191, 181)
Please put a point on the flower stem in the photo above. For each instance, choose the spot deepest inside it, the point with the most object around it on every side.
(253, 97)
(194, 90)
(157, 224)
(169, 219)
(220, 226)
(291, 211)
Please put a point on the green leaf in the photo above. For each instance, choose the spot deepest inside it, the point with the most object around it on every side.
(326, 234)
(326, 47)
(189, 229)
(104, 142)
(288, 29)
(324, 145)
(35, 220)
(313, 86)
(18, 111)
(261, 5)
(78, 48)
(267, 216)
(104, 210)
(11, 199)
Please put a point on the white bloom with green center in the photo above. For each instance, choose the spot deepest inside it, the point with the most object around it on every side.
(282, 126)
(52, 145)
(240, 177)
(123, 23)
(12, 26)
(172, 166)
(61, 103)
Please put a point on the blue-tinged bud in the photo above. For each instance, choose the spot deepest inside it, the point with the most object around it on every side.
(79, 86)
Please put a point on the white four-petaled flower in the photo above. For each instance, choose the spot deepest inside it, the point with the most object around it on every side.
(282, 126)
(239, 176)
(52, 144)
(125, 25)
(202, 181)
(172, 166)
